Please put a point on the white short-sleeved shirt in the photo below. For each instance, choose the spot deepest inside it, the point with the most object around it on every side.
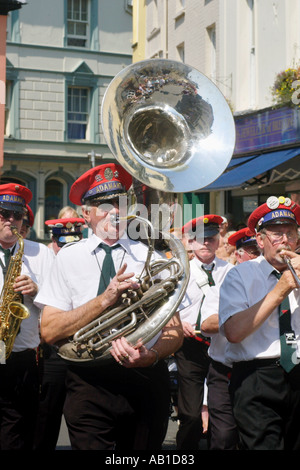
(36, 262)
(74, 279)
(218, 342)
(244, 286)
(191, 302)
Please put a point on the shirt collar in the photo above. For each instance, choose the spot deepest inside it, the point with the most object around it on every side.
(11, 248)
(265, 266)
(199, 263)
(93, 242)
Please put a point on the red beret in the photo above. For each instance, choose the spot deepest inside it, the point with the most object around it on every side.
(68, 223)
(28, 218)
(210, 223)
(14, 196)
(67, 229)
(101, 182)
(277, 210)
(242, 237)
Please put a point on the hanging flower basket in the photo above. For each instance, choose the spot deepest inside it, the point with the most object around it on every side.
(286, 88)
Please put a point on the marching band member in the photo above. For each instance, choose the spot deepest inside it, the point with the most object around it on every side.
(19, 372)
(263, 332)
(27, 222)
(245, 245)
(65, 230)
(53, 368)
(223, 434)
(192, 358)
(124, 404)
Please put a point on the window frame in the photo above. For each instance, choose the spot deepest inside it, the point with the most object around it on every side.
(72, 111)
(79, 21)
(83, 77)
(12, 108)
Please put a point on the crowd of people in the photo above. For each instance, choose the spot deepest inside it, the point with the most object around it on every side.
(234, 338)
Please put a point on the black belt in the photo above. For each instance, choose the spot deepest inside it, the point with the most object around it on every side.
(25, 352)
(256, 363)
(219, 366)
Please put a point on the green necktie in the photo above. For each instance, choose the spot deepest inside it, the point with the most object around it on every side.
(211, 282)
(7, 256)
(285, 328)
(108, 269)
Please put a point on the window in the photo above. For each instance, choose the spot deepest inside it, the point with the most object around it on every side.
(211, 59)
(7, 108)
(12, 102)
(180, 52)
(158, 55)
(82, 105)
(8, 27)
(53, 198)
(153, 17)
(78, 25)
(78, 113)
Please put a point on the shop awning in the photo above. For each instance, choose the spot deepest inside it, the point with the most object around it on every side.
(251, 168)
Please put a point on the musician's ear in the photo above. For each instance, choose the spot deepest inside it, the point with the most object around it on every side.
(86, 213)
(260, 239)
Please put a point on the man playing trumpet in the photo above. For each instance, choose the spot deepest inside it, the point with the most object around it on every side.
(263, 331)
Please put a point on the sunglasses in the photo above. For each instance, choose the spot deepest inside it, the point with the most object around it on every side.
(6, 214)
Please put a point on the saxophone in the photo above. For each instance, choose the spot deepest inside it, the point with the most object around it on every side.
(12, 311)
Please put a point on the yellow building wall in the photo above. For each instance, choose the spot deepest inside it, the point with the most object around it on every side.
(139, 30)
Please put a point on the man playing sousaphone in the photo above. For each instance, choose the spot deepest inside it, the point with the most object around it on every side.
(124, 404)
(260, 316)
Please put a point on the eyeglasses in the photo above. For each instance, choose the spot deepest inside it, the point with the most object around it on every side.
(6, 214)
(277, 237)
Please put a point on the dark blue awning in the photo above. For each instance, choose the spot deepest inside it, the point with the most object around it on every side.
(253, 166)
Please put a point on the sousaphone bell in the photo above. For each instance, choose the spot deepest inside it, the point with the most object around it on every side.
(168, 125)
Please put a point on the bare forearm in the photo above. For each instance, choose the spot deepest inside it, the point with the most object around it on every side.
(57, 324)
(244, 323)
(171, 338)
(210, 325)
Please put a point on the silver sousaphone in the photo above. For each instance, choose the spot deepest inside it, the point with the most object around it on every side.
(171, 128)
(168, 125)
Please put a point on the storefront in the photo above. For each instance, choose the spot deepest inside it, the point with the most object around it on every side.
(265, 161)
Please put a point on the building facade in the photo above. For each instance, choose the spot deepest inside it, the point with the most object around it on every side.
(241, 45)
(60, 57)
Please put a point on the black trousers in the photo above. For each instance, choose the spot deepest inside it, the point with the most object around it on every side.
(266, 405)
(18, 400)
(223, 433)
(192, 363)
(51, 399)
(114, 408)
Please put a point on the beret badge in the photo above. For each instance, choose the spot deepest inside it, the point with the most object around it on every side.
(108, 174)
